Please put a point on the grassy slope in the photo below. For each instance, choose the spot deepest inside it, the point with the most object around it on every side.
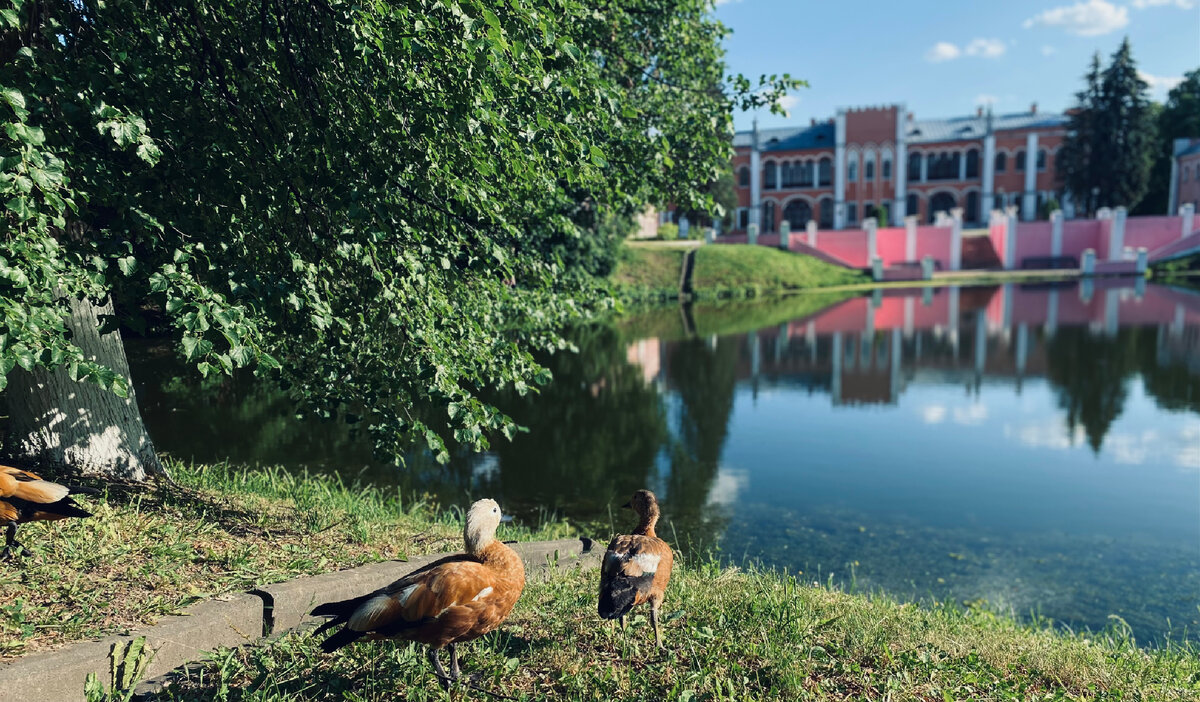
(146, 553)
(751, 270)
(648, 273)
(731, 635)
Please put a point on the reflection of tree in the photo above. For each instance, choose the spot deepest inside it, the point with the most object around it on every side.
(1090, 372)
(593, 433)
(704, 379)
(1172, 385)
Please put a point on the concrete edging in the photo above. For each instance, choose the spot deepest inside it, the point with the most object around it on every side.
(236, 619)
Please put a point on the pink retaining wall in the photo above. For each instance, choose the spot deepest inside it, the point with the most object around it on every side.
(889, 244)
(935, 242)
(1033, 239)
(1152, 232)
(850, 245)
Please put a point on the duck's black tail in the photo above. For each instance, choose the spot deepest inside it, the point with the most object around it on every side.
(617, 599)
(340, 613)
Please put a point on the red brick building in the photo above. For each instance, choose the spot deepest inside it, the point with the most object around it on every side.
(1185, 175)
(878, 160)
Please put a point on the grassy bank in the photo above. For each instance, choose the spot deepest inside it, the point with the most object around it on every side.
(149, 552)
(650, 271)
(730, 635)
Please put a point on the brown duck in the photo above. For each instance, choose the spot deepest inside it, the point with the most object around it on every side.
(453, 600)
(637, 567)
(25, 497)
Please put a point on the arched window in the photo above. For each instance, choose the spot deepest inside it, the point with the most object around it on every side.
(955, 164)
(825, 171)
(941, 202)
(826, 221)
(1041, 159)
(886, 169)
(768, 216)
(973, 163)
(931, 167)
(769, 175)
(852, 172)
(911, 205)
(869, 168)
(914, 167)
(806, 174)
(797, 213)
(743, 218)
(1020, 159)
(1001, 162)
(744, 177)
(852, 213)
(972, 213)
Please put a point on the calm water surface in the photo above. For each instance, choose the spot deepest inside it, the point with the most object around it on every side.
(1034, 447)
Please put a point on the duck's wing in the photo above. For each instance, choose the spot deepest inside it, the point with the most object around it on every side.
(23, 485)
(628, 573)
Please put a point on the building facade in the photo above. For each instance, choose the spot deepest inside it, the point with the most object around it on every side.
(880, 161)
(1185, 175)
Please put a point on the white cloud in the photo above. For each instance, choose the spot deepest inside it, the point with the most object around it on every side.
(972, 415)
(1087, 19)
(985, 99)
(787, 102)
(1048, 50)
(934, 414)
(1160, 85)
(986, 48)
(1181, 4)
(942, 51)
(726, 2)
(729, 483)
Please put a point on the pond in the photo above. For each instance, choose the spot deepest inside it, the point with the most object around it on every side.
(1034, 447)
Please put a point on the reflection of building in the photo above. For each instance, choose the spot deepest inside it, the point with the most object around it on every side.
(841, 171)
(866, 350)
(645, 354)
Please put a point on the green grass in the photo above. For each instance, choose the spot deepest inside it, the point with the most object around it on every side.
(149, 552)
(648, 273)
(730, 635)
(746, 271)
(721, 317)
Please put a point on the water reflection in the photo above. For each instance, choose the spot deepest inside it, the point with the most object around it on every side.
(1035, 446)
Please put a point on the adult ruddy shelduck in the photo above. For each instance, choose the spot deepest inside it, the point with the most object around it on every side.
(25, 497)
(448, 602)
(637, 566)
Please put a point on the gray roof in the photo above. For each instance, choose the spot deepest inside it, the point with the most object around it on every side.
(919, 131)
(790, 138)
(923, 131)
(1187, 147)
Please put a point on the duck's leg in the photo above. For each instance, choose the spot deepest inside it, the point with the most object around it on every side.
(654, 622)
(437, 667)
(11, 547)
(455, 673)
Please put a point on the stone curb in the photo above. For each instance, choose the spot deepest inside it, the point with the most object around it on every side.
(233, 620)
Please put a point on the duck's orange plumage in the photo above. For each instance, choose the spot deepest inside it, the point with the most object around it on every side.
(25, 497)
(450, 601)
(637, 566)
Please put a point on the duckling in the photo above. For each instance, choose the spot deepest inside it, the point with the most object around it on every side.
(637, 566)
(25, 497)
(450, 601)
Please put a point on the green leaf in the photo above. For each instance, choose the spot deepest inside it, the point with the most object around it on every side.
(128, 265)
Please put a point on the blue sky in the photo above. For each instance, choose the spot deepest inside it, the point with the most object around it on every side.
(944, 57)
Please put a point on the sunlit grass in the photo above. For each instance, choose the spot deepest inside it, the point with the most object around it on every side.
(149, 552)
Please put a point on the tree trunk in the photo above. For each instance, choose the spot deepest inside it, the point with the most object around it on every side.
(57, 422)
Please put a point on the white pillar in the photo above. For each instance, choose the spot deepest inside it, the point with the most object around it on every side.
(785, 235)
(1022, 348)
(924, 168)
(988, 201)
(755, 183)
(1056, 233)
(1087, 265)
(956, 239)
(1173, 192)
(910, 238)
(811, 228)
(900, 167)
(1188, 212)
(684, 226)
(1029, 197)
(876, 268)
(1010, 240)
(927, 268)
(778, 182)
(962, 166)
(1116, 236)
(869, 226)
(909, 304)
(1143, 257)
(839, 171)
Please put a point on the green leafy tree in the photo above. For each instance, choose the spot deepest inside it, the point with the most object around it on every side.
(376, 202)
(1107, 154)
(1178, 118)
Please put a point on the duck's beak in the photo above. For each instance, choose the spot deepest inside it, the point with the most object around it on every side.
(506, 518)
(627, 505)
